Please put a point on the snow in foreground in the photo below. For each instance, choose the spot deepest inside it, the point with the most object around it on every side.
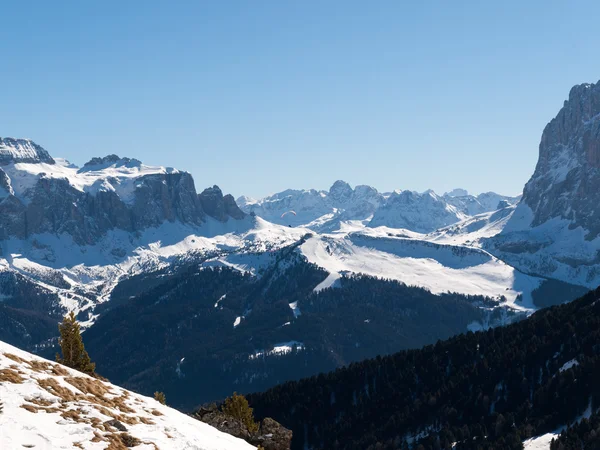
(47, 406)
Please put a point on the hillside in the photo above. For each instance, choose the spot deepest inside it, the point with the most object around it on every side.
(491, 389)
(46, 405)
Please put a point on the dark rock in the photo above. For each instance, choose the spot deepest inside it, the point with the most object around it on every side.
(218, 206)
(223, 422)
(272, 436)
(114, 423)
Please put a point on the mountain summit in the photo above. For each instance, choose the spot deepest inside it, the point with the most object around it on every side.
(22, 151)
(555, 229)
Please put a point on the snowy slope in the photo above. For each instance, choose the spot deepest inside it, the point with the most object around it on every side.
(437, 267)
(48, 406)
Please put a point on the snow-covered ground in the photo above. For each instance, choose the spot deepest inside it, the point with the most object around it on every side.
(47, 406)
(441, 262)
(439, 268)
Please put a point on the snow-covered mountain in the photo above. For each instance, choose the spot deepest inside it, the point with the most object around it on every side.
(422, 213)
(472, 205)
(39, 194)
(44, 405)
(555, 229)
(316, 209)
(70, 235)
(328, 210)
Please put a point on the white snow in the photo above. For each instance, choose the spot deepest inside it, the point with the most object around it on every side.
(120, 176)
(439, 268)
(279, 349)
(568, 365)
(540, 442)
(52, 427)
(295, 309)
(237, 321)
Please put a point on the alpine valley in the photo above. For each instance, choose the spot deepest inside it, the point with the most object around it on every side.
(173, 286)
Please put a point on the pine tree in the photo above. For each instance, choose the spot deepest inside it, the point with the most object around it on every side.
(237, 406)
(72, 348)
(160, 397)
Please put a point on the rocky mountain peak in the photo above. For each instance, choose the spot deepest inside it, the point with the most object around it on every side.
(99, 163)
(341, 191)
(22, 151)
(218, 206)
(566, 180)
(458, 192)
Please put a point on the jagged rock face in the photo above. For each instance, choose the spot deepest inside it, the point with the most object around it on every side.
(341, 191)
(218, 206)
(166, 197)
(555, 229)
(39, 195)
(566, 181)
(22, 151)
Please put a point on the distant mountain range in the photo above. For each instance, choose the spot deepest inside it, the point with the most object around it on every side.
(327, 210)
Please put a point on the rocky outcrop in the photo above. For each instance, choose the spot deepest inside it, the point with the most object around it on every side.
(106, 193)
(218, 206)
(271, 435)
(566, 181)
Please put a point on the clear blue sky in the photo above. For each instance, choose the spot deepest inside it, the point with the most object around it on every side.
(259, 96)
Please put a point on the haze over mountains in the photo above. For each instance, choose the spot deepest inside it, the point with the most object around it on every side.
(270, 298)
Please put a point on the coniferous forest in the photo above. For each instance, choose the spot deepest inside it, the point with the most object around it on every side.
(167, 330)
(491, 389)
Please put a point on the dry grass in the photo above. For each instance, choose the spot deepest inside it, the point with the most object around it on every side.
(15, 358)
(78, 445)
(53, 387)
(39, 401)
(155, 412)
(35, 409)
(39, 366)
(47, 367)
(73, 414)
(146, 421)
(11, 376)
(121, 441)
(98, 390)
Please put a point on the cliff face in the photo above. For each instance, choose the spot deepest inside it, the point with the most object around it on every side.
(566, 181)
(555, 229)
(41, 195)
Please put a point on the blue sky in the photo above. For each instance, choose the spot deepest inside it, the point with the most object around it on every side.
(259, 96)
